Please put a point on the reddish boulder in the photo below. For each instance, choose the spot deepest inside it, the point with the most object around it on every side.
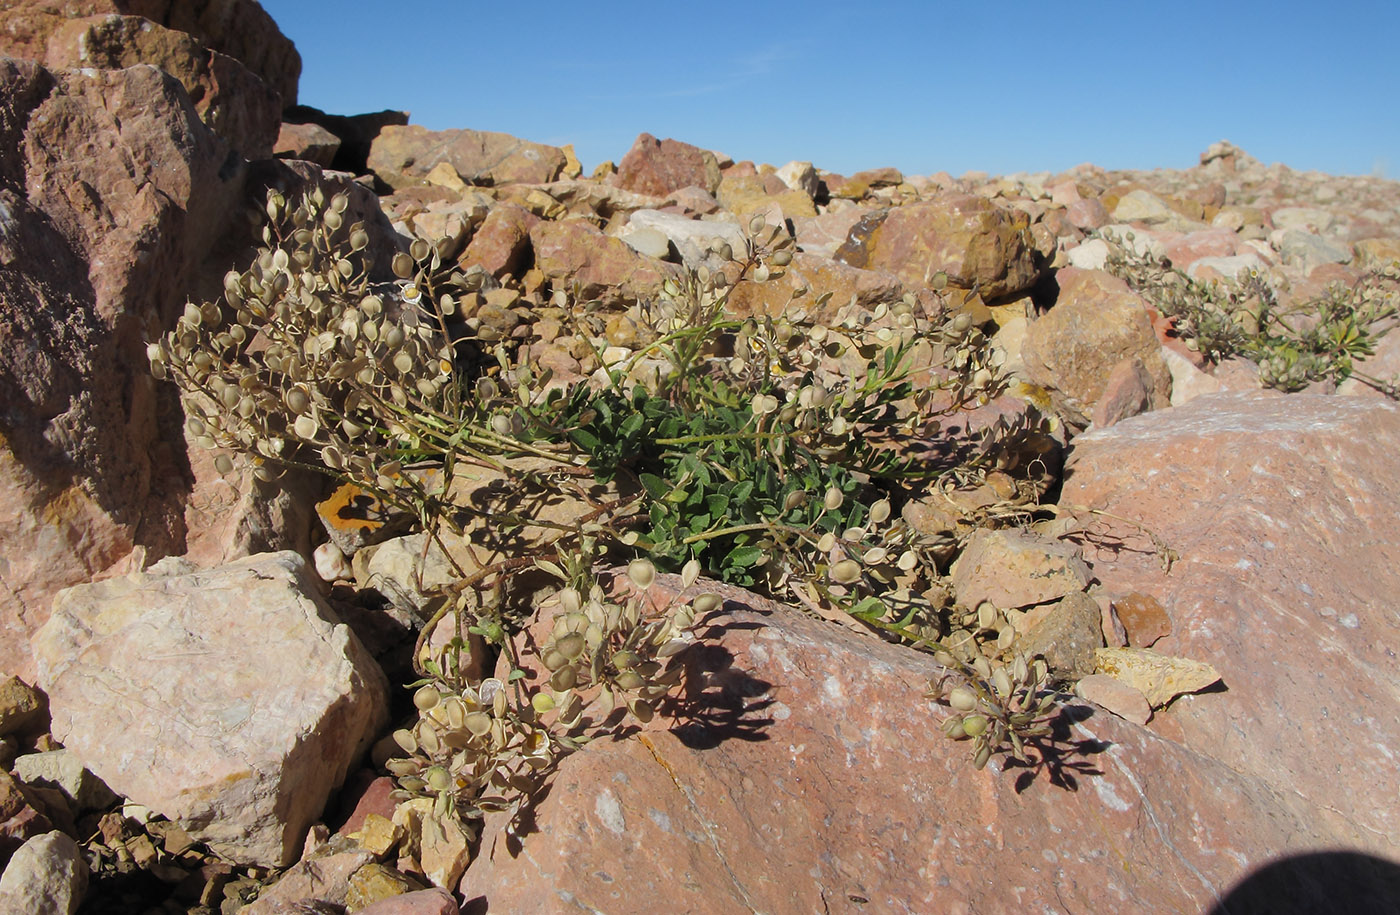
(310, 142)
(501, 244)
(1282, 511)
(802, 772)
(658, 167)
(969, 238)
(818, 275)
(575, 254)
(404, 155)
(1097, 322)
(230, 98)
(240, 29)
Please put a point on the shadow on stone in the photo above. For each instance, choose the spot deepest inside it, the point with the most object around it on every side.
(719, 701)
(1317, 883)
(1057, 756)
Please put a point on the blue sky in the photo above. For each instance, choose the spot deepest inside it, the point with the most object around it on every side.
(923, 86)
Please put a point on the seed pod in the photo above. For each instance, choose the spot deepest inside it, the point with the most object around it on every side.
(689, 573)
(975, 725)
(845, 572)
(427, 697)
(962, 699)
(641, 572)
(833, 500)
(706, 603)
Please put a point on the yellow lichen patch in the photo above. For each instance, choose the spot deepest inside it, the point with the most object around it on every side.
(1161, 678)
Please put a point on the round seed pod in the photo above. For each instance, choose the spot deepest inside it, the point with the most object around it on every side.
(641, 572)
(845, 572)
(706, 603)
(962, 699)
(974, 725)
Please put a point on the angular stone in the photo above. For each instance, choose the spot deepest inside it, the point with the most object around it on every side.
(1142, 206)
(21, 708)
(233, 101)
(1123, 700)
(1285, 582)
(1066, 637)
(747, 195)
(1144, 619)
(969, 238)
(1127, 392)
(818, 275)
(229, 700)
(441, 847)
(434, 901)
(800, 176)
(658, 167)
(1309, 250)
(47, 876)
(1095, 324)
(1377, 253)
(310, 142)
(1160, 678)
(403, 156)
(20, 820)
(375, 882)
(1016, 569)
(501, 244)
(240, 29)
(321, 878)
(575, 253)
(729, 805)
(1087, 214)
(62, 770)
(113, 193)
(692, 238)
(825, 233)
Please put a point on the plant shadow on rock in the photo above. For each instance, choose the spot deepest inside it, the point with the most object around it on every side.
(1058, 755)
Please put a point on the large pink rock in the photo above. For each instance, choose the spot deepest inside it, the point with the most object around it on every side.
(803, 772)
(113, 194)
(1283, 512)
(501, 245)
(969, 238)
(658, 167)
(1096, 323)
(240, 29)
(575, 254)
(232, 100)
(402, 156)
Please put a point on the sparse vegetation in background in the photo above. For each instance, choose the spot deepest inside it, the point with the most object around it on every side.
(771, 451)
(1321, 339)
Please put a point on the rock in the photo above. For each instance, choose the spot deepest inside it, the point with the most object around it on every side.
(1067, 637)
(310, 142)
(1142, 206)
(20, 820)
(113, 193)
(239, 739)
(789, 725)
(1226, 268)
(1308, 250)
(1016, 569)
(321, 878)
(1188, 382)
(1158, 677)
(501, 245)
(692, 238)
(403, 155)
(1123, 700)
(1087, 214)
(1091, 255)
(1282, 586)
(440, 847)
(744, 196)
(375, 882)
(824, 233)
(62, 770)
(658, 167)
(1096, 323)
(574, 253)
(355, 132)
(435, 901)
(240, 29)
(21, 708)
(233, 101)
(1193, 246)
(47, 876)
(1144, 619)
(800, 176)
(969, 238)
(818, 275)
(1377, 253)
(1127, 392)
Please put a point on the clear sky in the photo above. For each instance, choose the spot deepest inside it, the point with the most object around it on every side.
(924, 86)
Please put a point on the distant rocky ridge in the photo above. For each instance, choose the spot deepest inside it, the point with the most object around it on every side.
(136, 146)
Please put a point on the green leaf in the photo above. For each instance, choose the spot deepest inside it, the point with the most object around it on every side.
(655, 486)
(742, 557)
